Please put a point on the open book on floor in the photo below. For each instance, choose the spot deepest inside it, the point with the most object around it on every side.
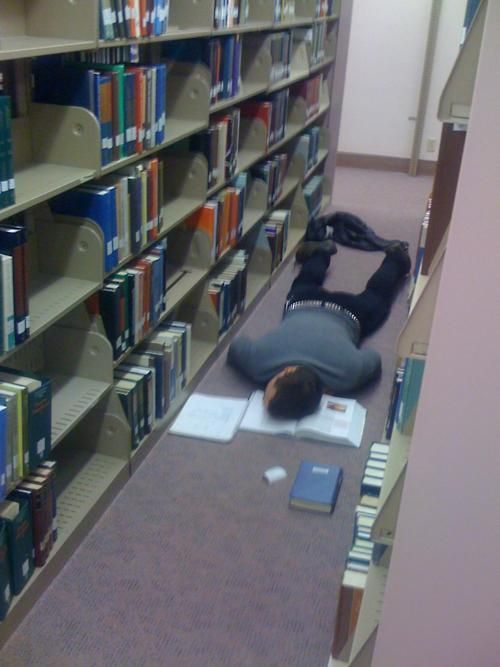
(210, 417)
(337, 420)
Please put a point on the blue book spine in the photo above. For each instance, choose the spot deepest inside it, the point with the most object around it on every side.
(227, 67)
(95, 205)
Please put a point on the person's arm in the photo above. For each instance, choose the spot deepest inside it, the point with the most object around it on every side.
(371, 366)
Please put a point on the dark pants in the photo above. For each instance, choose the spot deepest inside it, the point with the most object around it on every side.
(371, 307)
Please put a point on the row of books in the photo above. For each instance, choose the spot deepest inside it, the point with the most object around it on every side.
(126, 205)
(7, 180)
(229, 13)
(25, 424)
(308, 146)
(284, 10)
(152, 377)
(28, 530)
(276, 227)
(313, 194)
(323, 8)
(227, 288)
(132, 300)
(272, 110)
(14, 305)
(422, 238)
(363, 551)
(272, 173)
(363, 548)
(281, 55)
(125, 19)
(129, 101)
(219, 144)
(111, 55)
(222, 56)
(221, 218)
(310, 90)
(315, 38)
(404, 397)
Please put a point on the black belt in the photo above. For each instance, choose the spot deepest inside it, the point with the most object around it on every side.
(321, 303)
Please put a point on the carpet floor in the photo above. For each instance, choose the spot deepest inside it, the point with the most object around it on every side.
(199, 563)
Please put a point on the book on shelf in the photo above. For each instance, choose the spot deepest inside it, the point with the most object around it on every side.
(276, 226)
(313, 193)
(272, 173)
(162, 349)
(347, 612)
(128, 396)
(135, 372)
(13, 464)
(13, 244)
(16, 516)
(7, 179)
(227, 288)
(47, 469)
(37, 412)
(5, 576)
(336, 421)
(143, 383)
(99, 205)
(371, 485)
(5, 454)
(310, 91)
(7, 321)
(316, 487)
(37, 490)
(409, 394)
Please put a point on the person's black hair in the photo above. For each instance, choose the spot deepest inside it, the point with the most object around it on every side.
(297, 394)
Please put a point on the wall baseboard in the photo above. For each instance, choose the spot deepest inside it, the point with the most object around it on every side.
(383, 162)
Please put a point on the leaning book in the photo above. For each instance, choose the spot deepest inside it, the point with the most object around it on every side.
(337, 420)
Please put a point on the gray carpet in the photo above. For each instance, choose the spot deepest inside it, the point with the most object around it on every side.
(197, 562)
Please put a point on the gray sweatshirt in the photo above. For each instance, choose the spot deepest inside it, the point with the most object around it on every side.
(323, 340)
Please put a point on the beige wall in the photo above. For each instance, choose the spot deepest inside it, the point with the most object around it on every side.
(384, 70)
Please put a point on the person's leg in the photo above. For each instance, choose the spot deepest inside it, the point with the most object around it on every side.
(314, 259)
(373, 305)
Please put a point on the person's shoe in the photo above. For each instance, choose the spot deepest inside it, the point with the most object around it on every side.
(399, 250)
(307, 248)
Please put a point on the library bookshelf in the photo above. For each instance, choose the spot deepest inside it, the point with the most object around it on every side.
(413, 340)
(57, 148)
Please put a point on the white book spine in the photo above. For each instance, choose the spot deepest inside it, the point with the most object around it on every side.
(7, 315)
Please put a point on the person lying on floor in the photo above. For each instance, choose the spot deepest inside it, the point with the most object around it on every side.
(316, 347)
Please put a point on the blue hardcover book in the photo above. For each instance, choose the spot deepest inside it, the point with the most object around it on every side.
(160, 249)
(316, 487)
(130, 127)
(97, 205)
(227, 66)
(161, 102)
(113, 215)
(54, 83)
